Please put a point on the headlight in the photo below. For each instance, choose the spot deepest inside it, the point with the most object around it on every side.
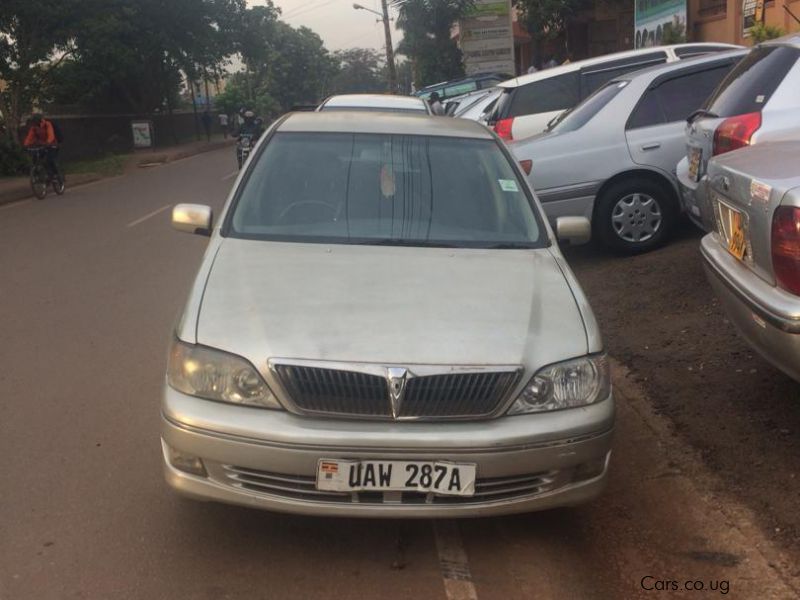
(566, 384)
(216, 375)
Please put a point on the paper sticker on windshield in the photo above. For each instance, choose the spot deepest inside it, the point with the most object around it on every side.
(759, 191)
(508, 185)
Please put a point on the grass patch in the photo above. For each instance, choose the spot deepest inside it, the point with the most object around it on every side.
(111, 164)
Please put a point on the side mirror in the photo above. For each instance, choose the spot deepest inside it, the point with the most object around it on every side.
(573, 230)
(192, 218)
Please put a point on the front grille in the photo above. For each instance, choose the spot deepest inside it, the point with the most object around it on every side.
(318, 390)
(465, 393)
(302, 487)
(456, 395)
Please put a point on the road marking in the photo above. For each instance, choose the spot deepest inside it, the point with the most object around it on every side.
(230, 175)
(149, 215)
(453, 562)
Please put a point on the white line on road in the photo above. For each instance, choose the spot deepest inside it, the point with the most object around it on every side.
(453, 562)
(148, 215)
(230, 175)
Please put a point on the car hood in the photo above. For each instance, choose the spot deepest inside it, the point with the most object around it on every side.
(389, 305)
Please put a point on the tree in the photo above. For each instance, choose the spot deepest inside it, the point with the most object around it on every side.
(35, 38)
(360, 70)
(547, 19)
(761, 33)
(427, 39)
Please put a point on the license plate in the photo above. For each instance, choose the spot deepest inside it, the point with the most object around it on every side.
(695, 155)
(732, 227)
(439, 477)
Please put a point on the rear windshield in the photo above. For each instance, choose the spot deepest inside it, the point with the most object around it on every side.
(586, 110)
(751, 83)
(388, 189)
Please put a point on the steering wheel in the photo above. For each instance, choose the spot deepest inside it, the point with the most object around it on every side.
(299, 203)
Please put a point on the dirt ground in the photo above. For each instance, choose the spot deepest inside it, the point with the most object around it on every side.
(660, 318)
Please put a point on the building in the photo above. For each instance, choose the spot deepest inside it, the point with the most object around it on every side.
(730, 20)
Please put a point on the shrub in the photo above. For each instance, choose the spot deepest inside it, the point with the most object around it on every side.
(13, 160)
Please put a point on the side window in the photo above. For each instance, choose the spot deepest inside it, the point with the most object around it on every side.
(683, 95)
(647, 113)
(597, 75)
(546, 95)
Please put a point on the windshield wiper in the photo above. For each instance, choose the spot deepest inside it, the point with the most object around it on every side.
(511, 246)
(403, 242)
(701, 112)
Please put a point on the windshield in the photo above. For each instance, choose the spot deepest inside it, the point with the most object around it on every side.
(577, 117)
(389, 189)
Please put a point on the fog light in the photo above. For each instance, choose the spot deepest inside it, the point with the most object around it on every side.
(188, 463)
(590, 470)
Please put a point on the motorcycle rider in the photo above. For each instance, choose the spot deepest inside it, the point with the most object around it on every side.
(251, 126)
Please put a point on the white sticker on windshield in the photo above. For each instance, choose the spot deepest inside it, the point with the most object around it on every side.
(760, 99)
(508, 185)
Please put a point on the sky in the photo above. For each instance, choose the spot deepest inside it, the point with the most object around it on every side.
(336, 21)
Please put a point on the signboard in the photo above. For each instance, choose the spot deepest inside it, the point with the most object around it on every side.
(752, 13)
(653, 20)
(142, 134)
(487, 38)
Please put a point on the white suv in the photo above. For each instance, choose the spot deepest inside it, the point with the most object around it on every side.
(530, 102)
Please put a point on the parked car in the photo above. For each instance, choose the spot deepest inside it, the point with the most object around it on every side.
(480, 107)
(612, 158)
(530, 102)
(383, 325)
(752, 258)
(457, 103)
(757, 102)
(376, 102)
(464, 85)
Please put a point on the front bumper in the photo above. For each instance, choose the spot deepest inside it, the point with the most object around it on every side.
(766, 316)
(694, 197)
(268, 459)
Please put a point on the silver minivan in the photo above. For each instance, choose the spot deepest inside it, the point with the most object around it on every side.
(759, 101)
(383, 325)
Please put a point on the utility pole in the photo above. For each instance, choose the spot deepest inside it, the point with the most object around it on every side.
(387, 31)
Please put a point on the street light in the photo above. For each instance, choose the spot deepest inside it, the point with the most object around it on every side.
(389, 49)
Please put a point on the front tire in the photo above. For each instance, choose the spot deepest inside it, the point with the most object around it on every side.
(39, 181)
(635, 215)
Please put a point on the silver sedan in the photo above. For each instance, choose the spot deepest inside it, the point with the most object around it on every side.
(383, 325)
(612, 158)
(752, 259)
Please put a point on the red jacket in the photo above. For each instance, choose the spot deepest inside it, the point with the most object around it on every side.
(43, 135)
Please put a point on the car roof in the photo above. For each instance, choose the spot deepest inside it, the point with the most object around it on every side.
(793, 39)
(665, 69)
(376, 101)
(466, 78)
(579, 64)
(344, 121)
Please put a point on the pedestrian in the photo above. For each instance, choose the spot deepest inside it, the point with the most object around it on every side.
(436, 104)
(223, 124)
(532, 69)
(206, 119)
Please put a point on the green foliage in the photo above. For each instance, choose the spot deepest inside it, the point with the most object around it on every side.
(360, 70)
(547, 19)
(12, 158)
(674, 33)
(427, 40)
(761, 33)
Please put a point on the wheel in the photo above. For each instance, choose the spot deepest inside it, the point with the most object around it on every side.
(635, 215)
(39, 181)
(59, 185)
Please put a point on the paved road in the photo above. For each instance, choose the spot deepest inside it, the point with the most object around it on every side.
(90, 285)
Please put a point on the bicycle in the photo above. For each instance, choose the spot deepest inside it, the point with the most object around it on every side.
(41, 178)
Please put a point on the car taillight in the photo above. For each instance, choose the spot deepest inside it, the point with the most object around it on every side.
(735, 132)
(786, 248)
(526, 165)
(503, 129)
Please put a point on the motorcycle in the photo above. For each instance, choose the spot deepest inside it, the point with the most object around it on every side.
(243, 147)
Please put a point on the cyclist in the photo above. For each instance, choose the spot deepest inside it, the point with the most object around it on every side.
(43, 133)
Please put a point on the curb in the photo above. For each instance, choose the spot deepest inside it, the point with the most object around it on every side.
(164, 158)
(23, 191)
